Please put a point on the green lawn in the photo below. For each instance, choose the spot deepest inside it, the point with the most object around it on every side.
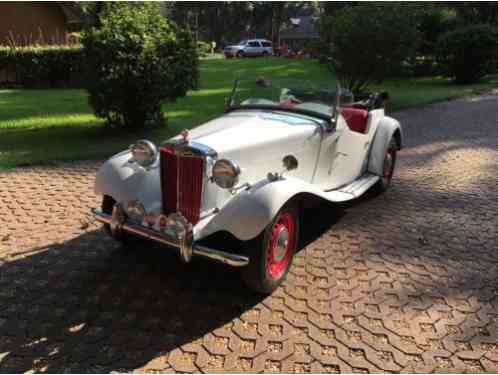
(46, 126)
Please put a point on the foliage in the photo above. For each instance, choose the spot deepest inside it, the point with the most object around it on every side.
(136, 60)
(43, 66)
(468, 53)
(368, 43)
(239, 19)
(434, 20)
(475, 12)
(203, 48)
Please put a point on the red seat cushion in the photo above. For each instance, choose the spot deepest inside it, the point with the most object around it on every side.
(355, 118)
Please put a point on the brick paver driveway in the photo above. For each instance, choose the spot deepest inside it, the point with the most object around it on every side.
(406, 281)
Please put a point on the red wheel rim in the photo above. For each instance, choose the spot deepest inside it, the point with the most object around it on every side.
(389, 163)
(280, 244)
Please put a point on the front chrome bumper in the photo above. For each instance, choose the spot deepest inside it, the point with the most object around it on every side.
(185, 244)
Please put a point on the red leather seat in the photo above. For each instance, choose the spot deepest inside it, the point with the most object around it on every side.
(355, 118)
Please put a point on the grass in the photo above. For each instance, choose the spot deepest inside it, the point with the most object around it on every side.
(46, 126)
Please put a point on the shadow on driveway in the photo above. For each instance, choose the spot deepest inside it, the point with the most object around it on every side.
(87, 305)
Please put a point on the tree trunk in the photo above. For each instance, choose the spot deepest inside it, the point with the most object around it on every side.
(277, 11)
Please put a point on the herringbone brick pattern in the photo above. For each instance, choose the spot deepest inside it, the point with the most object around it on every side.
(401, 282)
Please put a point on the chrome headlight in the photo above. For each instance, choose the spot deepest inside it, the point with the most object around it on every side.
(144, 152)
(226, 173)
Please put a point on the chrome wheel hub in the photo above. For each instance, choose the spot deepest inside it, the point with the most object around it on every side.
(281, 245)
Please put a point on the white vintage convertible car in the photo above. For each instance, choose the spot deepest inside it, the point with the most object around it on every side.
(248, 173)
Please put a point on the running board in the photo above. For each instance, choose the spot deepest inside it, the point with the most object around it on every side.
(354, 189)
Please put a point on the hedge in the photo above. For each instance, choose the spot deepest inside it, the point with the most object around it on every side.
(42, 66)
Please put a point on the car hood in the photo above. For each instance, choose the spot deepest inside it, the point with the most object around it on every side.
(258, 140)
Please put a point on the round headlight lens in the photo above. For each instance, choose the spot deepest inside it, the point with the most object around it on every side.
(144, 152)
(226, 173)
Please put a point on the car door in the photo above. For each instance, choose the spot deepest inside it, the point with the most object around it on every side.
(350, 156)
(266, 47)
(343, 153)
(253, 48)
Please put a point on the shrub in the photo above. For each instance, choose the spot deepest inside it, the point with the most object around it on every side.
(203, 48)
(43, 66)
(136, 60)
(369, 42)
(468, 53)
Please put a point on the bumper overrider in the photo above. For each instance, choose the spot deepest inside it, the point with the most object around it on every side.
(173, 231)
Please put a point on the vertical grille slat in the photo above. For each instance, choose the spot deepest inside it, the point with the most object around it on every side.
(181, 184)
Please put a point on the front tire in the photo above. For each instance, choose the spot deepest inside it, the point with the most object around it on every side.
(240, 54)
(125, 240)
(271, 253)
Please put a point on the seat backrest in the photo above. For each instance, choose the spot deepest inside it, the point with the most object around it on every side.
(355, 118)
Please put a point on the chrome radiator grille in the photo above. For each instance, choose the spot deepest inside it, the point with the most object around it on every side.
(181, 182)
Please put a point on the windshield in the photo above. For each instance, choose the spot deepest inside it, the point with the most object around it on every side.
(242, 43)
(292, 96)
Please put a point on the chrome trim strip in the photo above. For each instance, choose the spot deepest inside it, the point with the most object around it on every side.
(233, 260)
(199, 148)
(208, 213)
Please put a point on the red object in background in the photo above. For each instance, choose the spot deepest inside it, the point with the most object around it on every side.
(284, 49)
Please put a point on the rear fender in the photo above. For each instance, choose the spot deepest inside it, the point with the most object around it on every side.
(387, 128)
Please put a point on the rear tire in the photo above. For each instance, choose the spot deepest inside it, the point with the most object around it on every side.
(388, 166)
(271, 253)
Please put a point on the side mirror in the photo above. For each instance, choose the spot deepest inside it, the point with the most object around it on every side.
(290, 163)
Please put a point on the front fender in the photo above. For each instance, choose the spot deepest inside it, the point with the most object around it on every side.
(247, 214)
(125, 181)
(387, 128)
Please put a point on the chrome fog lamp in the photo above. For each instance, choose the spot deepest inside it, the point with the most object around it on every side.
(226, 173)
(144, 152)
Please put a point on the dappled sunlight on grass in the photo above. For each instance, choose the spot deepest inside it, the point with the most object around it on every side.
(79, 119)
(209, 92)
(176, 114)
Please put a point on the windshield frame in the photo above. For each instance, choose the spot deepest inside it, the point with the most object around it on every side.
(232, 106)
(275, 108)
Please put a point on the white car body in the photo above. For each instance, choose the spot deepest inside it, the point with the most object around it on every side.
(335, 163)
(329, 165)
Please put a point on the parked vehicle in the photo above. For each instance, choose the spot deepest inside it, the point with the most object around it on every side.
(248, 173)
(251, 47)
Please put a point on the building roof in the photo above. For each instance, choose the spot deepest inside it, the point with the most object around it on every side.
(300, 28)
